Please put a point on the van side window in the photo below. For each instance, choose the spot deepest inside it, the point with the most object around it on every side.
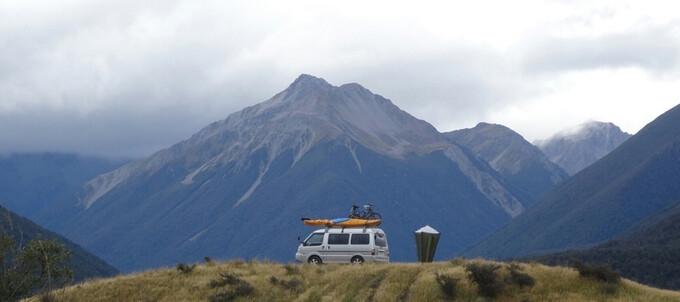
(360, 238)
(315, 239)
(380, 239)
(338, 238)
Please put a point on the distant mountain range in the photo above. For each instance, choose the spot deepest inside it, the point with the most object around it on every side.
(31, 182)
(518, 161)
(238, 187)
(84, 264)
(637, 180)
(577, 148)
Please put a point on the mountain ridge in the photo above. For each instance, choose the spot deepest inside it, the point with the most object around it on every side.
(520, 162)
(639, 178)
(646, 252)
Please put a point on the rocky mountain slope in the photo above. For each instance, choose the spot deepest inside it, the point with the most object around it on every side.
(576, 148)
(238, 187)
(635, 181)
(517, 160)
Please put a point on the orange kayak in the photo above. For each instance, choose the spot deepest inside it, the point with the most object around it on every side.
(342, 222)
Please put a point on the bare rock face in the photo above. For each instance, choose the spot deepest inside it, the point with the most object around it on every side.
(577, 148)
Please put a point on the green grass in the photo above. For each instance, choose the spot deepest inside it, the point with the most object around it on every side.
(368, 282)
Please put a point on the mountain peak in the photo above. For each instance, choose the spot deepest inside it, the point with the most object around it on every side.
(584, 131)
(576, 148)
(307, 81)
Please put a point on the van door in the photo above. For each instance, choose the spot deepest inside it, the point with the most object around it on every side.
(337, 249)
(382, 252)
(313, 245)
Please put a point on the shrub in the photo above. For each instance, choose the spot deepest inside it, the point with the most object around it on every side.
(225, 278)
(598, 272)
(185, 268)
(243, 289)
(521, 279)
(292, 284)
(514, 266)
(223, 297)
(485, 275)
(458, 261)
(447, 284)
(47, 297)
(601, 273)
(240, 288)
(291, 269)
(237, 262)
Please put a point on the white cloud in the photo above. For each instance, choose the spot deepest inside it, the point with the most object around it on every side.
(85, 76)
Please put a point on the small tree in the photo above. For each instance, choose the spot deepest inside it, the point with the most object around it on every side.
(46, 261)
(39, 267)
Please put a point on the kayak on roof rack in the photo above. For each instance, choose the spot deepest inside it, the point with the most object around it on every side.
(342, 222)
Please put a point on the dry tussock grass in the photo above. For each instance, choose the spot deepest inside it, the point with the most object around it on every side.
(368, 282)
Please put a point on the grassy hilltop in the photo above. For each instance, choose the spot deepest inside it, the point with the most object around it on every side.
(264, 281)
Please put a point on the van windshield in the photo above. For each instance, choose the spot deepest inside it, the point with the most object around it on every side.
(314, 239)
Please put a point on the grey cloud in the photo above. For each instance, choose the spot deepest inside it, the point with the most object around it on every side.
(656, 50)
(127, 78)
(451, 90)
(135, 120)
(110, 81)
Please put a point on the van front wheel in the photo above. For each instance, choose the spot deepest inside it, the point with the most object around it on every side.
(357, 260)
(314, 260)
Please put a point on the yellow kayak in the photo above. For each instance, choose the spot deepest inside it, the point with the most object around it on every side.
(342, 222)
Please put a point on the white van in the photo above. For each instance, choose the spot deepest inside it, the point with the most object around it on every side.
(344, 245)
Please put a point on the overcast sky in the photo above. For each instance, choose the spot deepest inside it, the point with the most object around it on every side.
(127, 78)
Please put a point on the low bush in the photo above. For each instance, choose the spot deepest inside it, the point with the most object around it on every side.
(224, 279)
(601, 273)
(598, 272)
(243, 289)
(521, 279)
(185, 268)
(223, 297)
(458, 261)
(485, 275)
(448, 285)
(291, 269)
(240, 288)
(292, 284)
